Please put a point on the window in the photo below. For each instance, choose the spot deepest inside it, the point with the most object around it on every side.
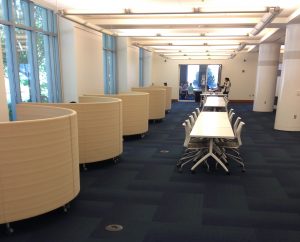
(21, 12)
(110, 86)
(202, 77)
(30, 52)
(24, 60)
(3, 8)
(5, 43)
(40, 18)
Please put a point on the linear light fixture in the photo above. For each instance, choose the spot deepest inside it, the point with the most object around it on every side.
(266, 19)
(82, 22)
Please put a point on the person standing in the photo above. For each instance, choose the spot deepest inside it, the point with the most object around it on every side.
(190, 91)
(226, 86)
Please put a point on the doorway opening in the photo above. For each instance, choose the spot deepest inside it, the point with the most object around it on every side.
(197, 78)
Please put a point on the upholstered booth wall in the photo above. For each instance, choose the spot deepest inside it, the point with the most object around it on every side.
(168, 96)
(135, 110)
(99, 128)
(39, 162)
(157, 101)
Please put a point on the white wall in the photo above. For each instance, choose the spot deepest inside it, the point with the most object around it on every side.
(3, 102)
(68, 60)
(89, 62)
(82, 66)
(243, 83)
(133, 67)
(127, 65)
(121, 61)
(147, 68)
(81, 60)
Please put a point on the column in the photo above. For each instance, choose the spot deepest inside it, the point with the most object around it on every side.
(288, 106)
(266, 77)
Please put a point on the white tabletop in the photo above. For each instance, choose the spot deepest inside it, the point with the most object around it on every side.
(213, 94)
(215, 101)
(212, 125)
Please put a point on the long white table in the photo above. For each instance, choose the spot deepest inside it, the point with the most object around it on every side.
(215, 102)
(220, 94)
(212, 125)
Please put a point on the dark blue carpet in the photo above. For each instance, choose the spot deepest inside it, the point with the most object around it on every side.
(154, 203)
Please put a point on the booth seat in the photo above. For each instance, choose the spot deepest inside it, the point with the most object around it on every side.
(135, 110)
(157, 101)
(99, 128)
(39, 162)
(168, 96)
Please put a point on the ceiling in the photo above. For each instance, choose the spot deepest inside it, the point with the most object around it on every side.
(187, 29)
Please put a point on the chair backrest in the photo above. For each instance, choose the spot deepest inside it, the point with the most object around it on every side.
(231, 117)
(188, 123)
(187, 127)
(195, 115)
(236, 123)
(192, 119)
(239, 132)
(230, 111)
(198, 111)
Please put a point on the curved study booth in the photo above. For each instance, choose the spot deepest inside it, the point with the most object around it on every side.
(168, 96)
(99, 128)
(39, 162)
(157, 101)
(135, 110)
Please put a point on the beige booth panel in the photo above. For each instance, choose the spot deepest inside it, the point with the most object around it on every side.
(168, 96)
(135, 110)
(157, 101)
(39, 162)
(99, 128)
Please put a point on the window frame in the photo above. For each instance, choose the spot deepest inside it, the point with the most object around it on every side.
(51, 55)
(109, 51)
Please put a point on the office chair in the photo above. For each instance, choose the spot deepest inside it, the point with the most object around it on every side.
(231, 147)
(195, 148)
(231, 117)
(192, 119)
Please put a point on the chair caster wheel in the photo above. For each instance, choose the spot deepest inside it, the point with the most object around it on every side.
(84, 167)
(66, 207)
(193, 171)
(228, 173)
(243, 170)
(115, 160)
(9, 230)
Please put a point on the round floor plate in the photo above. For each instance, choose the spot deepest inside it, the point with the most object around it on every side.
(164, 151)
(114, 227)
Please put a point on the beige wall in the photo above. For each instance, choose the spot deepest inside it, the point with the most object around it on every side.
(81, 60)
(243, 83)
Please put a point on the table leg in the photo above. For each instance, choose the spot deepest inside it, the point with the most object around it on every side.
(210, 153)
